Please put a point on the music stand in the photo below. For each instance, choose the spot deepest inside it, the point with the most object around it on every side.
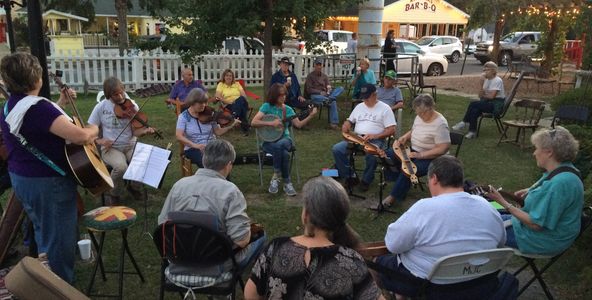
(350, 181)
(380, 208)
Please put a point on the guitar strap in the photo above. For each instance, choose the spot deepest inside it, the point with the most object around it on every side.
(36, 152)
(558, 171)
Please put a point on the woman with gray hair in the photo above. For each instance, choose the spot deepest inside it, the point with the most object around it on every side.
(491, 100)
(320, 263)
(429, 137)
(196, 126)
(549, 220)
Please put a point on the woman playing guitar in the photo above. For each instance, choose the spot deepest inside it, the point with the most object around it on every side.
(118, 138)
(274, 105)
(35, 131)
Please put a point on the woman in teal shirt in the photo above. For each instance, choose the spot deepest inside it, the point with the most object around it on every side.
(549, 222)
(362, 76)
(279, 150)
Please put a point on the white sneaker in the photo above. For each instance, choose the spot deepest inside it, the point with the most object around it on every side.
(459, 126)
(289, 189)
(471, 135)
(274, 186)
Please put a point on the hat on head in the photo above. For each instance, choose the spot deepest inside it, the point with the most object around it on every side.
(318, 61)
(391, 74)
(367, 90)
(285, 60)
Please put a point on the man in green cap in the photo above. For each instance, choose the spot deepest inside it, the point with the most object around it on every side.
(389, 93)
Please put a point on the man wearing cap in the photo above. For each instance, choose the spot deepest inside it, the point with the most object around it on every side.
(390, 93)
(374, 121)
(290, 81)
(319, 90)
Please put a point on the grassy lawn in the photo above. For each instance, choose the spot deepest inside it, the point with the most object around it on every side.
(504, 165)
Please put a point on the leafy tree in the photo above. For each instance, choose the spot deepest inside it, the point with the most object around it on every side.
(205, 24)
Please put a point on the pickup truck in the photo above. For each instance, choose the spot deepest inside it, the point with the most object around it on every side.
(512, 46)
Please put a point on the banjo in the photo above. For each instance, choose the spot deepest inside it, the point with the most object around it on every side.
(272, 134)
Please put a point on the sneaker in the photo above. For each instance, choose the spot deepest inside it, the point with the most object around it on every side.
(459, 126)
(471, 135)
(388, 201)
(289, 189)
(274, 186)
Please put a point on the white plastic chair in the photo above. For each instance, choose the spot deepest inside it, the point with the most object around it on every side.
(469, 265)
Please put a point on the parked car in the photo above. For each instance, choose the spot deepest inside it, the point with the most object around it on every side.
(433, 64)
(512, 46)
(449, 46)
(242, 44)
(337, 40)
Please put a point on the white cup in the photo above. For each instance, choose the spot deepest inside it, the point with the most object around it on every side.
(289, 79)
(84, 247)
(359, 69)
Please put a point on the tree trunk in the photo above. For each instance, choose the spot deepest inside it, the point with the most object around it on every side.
(549, 50)
(495, 53)
(267, 47)
(121, 7)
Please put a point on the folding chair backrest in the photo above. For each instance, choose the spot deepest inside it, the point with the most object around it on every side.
(469, 265)
(193, 237)
(586, 219)
(456, 139)
(511, 95)
(573, 113)
(529, 111)
(420, 75)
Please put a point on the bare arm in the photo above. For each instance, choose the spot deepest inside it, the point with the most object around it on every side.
(218, 131)
(67, 130)
(437, 151)
(521, 215)
(388, 131)
(258, 122)
(251, 291)
(346, 127)
(180, 135)
(245, 241)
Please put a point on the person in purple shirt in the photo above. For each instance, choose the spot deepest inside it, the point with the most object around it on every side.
(47, 192)
(182, 88)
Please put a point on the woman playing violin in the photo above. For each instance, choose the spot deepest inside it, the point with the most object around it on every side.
(47, 192)
(233, 97)
(118, 137)
(429, 137)
(196, 126)
(275, 105)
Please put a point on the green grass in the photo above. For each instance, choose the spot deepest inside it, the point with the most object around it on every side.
(504, 165)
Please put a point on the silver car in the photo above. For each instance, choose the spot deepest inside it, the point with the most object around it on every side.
(449, 46)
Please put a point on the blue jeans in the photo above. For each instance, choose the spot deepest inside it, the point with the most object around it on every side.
(341, 156)
(474, 111)
(195, 156)
(50, 203)
(410, 289)
(319, 99)
(279, 150)
(402, 182)
(240, 108)
(510, 236)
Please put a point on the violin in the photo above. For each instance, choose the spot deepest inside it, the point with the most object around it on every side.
(407, 166)
(223, 117)
(138, 119)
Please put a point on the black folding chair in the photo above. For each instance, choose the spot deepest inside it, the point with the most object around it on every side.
(571, 114)
(538, 273)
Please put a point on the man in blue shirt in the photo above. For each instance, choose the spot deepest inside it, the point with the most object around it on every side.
(290, 81)
(184, 86)
(390, 93)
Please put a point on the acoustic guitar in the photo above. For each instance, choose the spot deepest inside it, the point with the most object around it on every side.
(84, 160)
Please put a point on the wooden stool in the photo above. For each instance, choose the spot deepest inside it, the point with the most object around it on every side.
(109, 218)
(186, 168)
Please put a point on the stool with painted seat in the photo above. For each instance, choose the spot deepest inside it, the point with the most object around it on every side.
(104, 219)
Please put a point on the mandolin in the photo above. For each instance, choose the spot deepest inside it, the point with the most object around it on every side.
(84, 160)
(407, 166)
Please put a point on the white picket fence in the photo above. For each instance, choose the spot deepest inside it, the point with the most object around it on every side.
(82, 71)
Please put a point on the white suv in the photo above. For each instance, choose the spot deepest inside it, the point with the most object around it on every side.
(449, 46)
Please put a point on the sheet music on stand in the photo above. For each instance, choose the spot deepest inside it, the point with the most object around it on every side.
(148, 165)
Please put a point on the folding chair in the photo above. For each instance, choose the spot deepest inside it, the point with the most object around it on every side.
(571, 114)
(507, 102)
(420, 85)
(261, 155)
(530, 258)
(194, 239)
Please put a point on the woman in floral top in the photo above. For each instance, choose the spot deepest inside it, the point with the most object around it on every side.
(320, 264)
